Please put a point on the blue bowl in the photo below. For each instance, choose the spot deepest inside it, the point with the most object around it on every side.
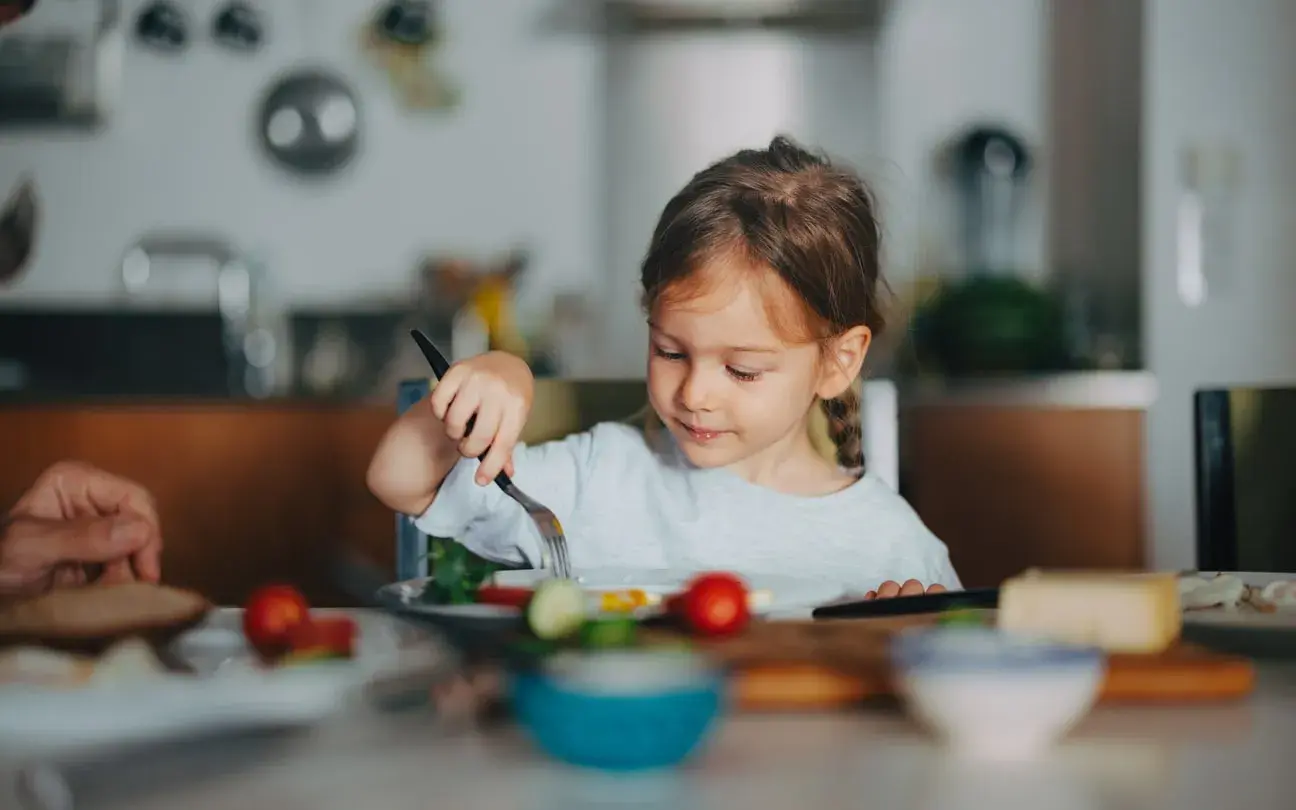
(619, 711)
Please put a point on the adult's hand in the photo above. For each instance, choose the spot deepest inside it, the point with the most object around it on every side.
(79, 524)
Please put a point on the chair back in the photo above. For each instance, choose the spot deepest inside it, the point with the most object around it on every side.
(1245, 464)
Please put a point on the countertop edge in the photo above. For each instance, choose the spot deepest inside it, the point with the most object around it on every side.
(1103, 390)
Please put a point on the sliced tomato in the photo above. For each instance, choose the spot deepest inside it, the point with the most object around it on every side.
(502, 595)
(329, 635)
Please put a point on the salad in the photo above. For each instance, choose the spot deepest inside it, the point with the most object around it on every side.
(711, 604)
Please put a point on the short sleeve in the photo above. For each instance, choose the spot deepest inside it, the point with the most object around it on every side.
(492, 525)
(913, 550)
(940, 571)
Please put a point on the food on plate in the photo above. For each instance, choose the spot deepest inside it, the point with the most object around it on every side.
(1220, 591)
(713, 604)
(41, 666)
(280, 626)
(457, 573)
(1279, 594)
(321, 638)
(128, 661)
(93, 618)
(556, 610)
(125, 662)
(270, 614)
(609, 633)
(1133, 613)
(626, 600)
(963, 617)
(503, 596)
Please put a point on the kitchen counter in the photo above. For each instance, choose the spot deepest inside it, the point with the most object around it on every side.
(1115, 390)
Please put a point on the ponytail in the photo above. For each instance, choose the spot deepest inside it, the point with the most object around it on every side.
(844, 430)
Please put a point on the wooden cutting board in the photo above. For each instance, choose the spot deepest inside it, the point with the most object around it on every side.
(827, 664)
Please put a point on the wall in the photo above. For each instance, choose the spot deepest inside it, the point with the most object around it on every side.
(943, 66)
(675, 104)
(1215, 72)
(1096, 105)
(523, 160)
(512, 165)
(884, 105)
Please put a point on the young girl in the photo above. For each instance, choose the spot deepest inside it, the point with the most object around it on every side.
(761, 292)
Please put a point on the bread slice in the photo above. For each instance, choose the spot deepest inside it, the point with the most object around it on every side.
(92, 618)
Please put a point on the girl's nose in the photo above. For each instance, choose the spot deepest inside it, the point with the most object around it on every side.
(697, 393)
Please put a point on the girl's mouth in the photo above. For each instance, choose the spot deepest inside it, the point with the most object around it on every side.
(702, 436)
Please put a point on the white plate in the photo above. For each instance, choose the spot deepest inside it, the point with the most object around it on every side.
(229, 692)
(771, 593)
(1282, 619)
(410, 593)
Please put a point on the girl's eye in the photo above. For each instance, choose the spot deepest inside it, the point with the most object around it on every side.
(665, 355)
(743, 376)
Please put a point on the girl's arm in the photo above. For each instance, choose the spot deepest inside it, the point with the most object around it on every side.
(490, 393)
(412, 460)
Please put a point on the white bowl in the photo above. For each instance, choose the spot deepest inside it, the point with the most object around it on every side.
(994, 695)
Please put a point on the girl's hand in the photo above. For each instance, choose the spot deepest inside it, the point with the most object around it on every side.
(483, 402)
(912, 587)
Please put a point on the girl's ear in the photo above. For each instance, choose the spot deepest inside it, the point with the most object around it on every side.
(844, 359)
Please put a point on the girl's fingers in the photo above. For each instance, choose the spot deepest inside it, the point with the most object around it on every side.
(888, 589)
(500, 455)
(444, 392)
(465, 404)
(483, 432)
(911, 588)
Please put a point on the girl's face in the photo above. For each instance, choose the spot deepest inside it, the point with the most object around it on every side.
(724, 378)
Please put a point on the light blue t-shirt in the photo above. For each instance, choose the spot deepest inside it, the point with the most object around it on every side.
(627, 502)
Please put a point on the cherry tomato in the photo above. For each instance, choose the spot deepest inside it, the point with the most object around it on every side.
(501, 595)
(715, 604)
(269, 616)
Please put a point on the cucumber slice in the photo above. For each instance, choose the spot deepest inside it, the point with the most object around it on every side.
(602, 634)
(557, 609)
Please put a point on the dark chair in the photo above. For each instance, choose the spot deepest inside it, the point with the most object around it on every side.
(1245, 447)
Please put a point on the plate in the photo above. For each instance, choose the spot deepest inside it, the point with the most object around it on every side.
(409, 593)
(227, 692)
(771, 594)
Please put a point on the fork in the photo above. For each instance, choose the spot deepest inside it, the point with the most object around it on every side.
(546, 522)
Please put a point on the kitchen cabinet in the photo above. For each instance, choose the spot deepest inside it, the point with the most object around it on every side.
(247, 494)
(251, 493)
(1017, 476)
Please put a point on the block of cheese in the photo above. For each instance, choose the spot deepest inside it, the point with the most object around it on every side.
(1122, 613)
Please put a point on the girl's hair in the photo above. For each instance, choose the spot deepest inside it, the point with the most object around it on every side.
(794, 212)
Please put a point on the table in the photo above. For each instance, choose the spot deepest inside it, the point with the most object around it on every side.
(1145, 757)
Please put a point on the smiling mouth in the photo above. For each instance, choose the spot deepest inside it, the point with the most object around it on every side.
(700, 435)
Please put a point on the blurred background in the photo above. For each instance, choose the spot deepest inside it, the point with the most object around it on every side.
(222, 218)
